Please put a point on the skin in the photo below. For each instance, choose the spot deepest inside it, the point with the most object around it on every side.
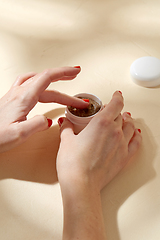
(97, 154)
(86, 162)
(25, 93)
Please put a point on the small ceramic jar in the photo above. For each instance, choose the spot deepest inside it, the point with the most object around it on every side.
(80, 122)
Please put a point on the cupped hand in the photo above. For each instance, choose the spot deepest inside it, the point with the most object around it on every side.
(97, 154)
(24, 94)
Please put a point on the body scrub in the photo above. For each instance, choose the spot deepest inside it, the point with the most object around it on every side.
(81, 117)
(92, 109)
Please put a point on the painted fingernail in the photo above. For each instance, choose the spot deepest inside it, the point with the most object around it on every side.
(77, 67)
(120, 92)
(86, 100)
(60, 121)
(139, 130)
(49, 122)
(129, 114)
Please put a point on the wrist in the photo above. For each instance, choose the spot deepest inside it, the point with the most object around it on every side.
(82, 211)
(79, 183)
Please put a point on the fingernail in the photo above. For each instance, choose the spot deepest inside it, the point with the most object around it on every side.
(60, 121)
(120, 92)
(77, 67)
(49, 122)
(129, 114)
(86, 100)
(139, 130)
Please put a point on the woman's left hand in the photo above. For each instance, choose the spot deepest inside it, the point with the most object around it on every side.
(24, 94)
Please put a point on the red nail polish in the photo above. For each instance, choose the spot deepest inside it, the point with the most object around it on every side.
(49, 122)
(60, 121)
(77, 67)
(139, 130)
(120, 92)
(86, 100)
(129, 114)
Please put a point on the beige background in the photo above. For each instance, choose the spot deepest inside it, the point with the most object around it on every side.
(104, 37)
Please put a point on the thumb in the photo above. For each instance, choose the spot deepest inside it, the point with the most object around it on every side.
(33, 125)
(66, 127)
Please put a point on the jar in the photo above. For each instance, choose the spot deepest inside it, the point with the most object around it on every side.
(81, 122)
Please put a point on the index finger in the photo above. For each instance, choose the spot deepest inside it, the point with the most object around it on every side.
(114, 107)
(42, 80)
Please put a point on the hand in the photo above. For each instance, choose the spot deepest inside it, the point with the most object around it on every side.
(23, 96)
(87, 162)
(101, 150)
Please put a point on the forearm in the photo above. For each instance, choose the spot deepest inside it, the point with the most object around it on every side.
(83, 218)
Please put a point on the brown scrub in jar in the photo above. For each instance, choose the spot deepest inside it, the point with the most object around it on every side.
(92, 109)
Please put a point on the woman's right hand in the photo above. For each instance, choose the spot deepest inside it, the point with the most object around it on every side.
(25, 93)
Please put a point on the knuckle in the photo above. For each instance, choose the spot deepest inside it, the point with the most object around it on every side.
(131, 125)
(47, 72)
(118, 133)
(104, 122)
(19, 76)
(19, 133)
(27, 100)
(137, 143)
(119, 102)
(42, 120)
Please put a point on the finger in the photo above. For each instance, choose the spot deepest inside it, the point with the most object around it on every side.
(66, 128)
(119, 120)
(114, 107)
(42, 80)
(128, 126)
(31, 126)
(22, 78)
(58, 97)
(134, 143)
(67, 78)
